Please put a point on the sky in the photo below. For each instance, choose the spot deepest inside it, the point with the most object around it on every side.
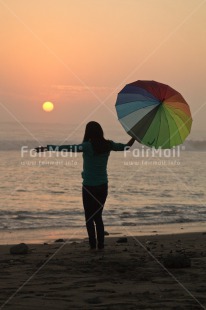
(79, 54)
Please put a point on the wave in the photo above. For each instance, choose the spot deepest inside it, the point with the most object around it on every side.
(158, 214)
(16, 145)
(195, 145)
(61, 225)
(32, 214)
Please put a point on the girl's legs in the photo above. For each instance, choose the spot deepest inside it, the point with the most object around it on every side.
(88, 210)
(99, 228)
(94, 198)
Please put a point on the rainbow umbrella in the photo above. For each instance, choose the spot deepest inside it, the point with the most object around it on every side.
(154, 114)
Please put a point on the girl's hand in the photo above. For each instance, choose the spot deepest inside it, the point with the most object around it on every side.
(40, 149)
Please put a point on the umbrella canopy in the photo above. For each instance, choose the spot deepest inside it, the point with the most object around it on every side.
(154, 114)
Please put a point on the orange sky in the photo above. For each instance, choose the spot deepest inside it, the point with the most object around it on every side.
(78, 53)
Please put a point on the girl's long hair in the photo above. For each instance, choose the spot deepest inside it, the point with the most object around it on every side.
(94, 134)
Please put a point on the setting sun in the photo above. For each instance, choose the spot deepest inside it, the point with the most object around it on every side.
(48, 106)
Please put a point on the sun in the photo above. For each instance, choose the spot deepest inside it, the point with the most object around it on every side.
(47, 106)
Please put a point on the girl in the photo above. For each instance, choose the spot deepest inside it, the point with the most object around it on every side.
(96, 150)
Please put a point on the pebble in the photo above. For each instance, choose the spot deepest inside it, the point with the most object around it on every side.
(122, 240)
(94, 300)
(177, 261)
(19, 249)
(60, 240)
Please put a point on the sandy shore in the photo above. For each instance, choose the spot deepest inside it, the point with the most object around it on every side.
(128, 275)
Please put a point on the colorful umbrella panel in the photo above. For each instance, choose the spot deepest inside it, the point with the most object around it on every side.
(154, 114)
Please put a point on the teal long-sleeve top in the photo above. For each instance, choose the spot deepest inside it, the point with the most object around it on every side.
(94, 165)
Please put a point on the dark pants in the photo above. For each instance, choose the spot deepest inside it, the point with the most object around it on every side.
(94, 198)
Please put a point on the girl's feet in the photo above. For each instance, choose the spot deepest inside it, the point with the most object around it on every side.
(92, 248)
(101, 247)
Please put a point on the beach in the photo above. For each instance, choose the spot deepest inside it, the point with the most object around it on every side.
(129, 274)
(159, 209)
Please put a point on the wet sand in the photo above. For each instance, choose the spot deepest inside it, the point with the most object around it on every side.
(128, 275)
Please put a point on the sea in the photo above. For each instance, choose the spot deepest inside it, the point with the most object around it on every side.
(149, 191)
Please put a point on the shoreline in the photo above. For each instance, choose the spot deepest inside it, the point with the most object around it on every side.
(128, 275)
(35, 236)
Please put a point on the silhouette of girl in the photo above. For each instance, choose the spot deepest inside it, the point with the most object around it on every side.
(96, 150)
